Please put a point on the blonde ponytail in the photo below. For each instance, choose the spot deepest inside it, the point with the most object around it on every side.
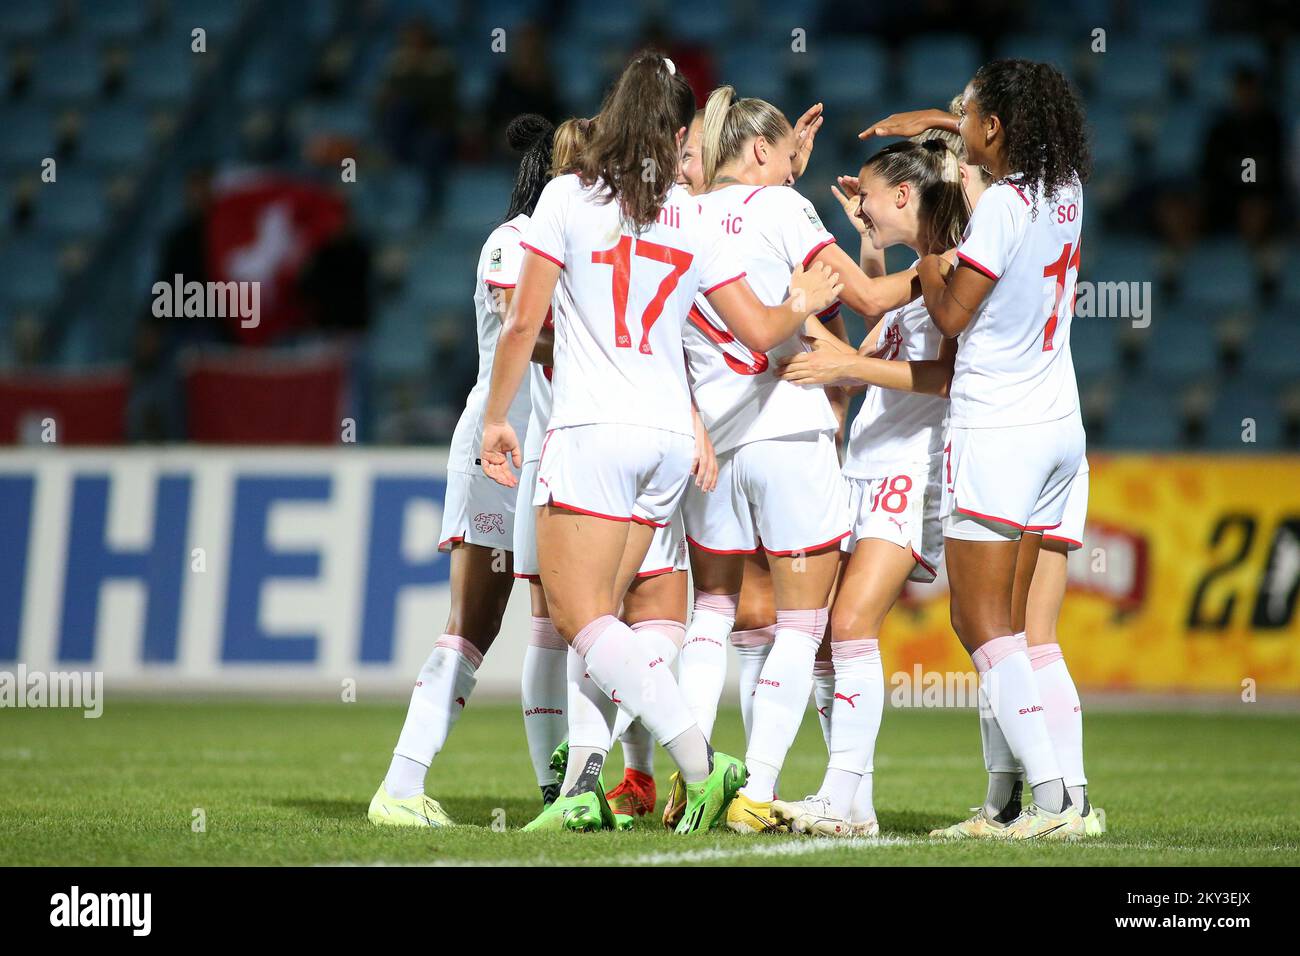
(730, 123)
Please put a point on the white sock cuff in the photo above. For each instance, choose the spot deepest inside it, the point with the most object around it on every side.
(473, 656)
(544, 634)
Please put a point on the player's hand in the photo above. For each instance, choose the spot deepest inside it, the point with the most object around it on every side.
(500, 450)
(850, 201)
(822, 366)
(704, 464)
(805, 131)
(812, 290)
(933, 270)
(910, 123)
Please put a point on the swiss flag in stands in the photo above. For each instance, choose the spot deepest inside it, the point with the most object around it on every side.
(263, 228)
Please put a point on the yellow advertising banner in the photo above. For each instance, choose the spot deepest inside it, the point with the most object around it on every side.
(1187, 581)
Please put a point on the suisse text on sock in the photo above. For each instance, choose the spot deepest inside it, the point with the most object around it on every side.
(102, 909)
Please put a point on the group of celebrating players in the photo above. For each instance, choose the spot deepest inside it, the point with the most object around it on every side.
(674, 304)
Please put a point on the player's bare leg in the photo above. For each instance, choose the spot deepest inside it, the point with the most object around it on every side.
(587, 564)
(481, 581)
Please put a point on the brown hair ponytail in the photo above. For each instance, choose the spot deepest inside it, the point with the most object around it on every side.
(933, 170)
(633, 149)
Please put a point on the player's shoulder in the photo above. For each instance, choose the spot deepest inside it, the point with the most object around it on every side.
(562, 187)
(510, 230)
(785, 205)
(1010, 194)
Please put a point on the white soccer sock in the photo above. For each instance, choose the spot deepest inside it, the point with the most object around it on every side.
(863, 808)
(855, 720)
(752, 648)
(824, 696)
(544, 691)
(702, 667)
(624, 671)
(663, 639)
(1064, 714)
(1007, 680)
(781, 697)
(591, 716)
(441, 692)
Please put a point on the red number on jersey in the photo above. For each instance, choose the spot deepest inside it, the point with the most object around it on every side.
(1060, 269)
(620, 257)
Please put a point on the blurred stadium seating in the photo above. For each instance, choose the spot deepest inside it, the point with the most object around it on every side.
(112, 91)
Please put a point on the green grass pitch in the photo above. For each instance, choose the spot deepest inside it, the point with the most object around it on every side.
(288, 782)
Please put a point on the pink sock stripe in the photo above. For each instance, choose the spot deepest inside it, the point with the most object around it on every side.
(724, 604)
(545, 635)
(848, 650)
(589, 635)
(998, 649)
(824, 668)
(675, 630)
(1043, 654)
(756, 637)
(811, 621)
(462, 647)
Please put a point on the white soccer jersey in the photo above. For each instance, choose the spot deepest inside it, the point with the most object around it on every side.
(739, 392)
(498, 269)
(894, 429)
(1013, 363)
(540, 393)
(621, 303)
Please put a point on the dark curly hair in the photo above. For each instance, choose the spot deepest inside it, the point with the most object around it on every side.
(1045, 133)
(531, 136)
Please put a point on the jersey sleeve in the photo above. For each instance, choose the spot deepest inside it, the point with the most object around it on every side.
(545, 234)
(993, 231)
(799, 230)
(718, 261)
(505, 258)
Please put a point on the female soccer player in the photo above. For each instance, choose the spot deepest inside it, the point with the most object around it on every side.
(911, 194)
(1015, 441)
(478, 518)
(1037, 603)
(625, 249)
(654, 606)
(775, 442)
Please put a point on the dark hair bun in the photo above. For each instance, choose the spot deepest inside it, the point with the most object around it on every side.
(527, 130)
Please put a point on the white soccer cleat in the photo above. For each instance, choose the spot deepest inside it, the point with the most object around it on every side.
(812, 816)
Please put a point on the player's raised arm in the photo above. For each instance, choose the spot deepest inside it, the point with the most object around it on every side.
(910, 123)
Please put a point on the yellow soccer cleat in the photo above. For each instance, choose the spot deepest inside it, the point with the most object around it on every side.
(811, 816)
(418, 811)
(675, 808)
(1094, 823)
(749, 816)
(1035, 823)
(977, 827)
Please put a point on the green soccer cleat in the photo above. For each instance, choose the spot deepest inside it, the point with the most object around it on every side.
(576, 814)
(560, 761)
(417, 811)
(707, 801)
(979, 826)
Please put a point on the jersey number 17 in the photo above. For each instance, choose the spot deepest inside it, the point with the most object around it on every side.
(620, 257)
